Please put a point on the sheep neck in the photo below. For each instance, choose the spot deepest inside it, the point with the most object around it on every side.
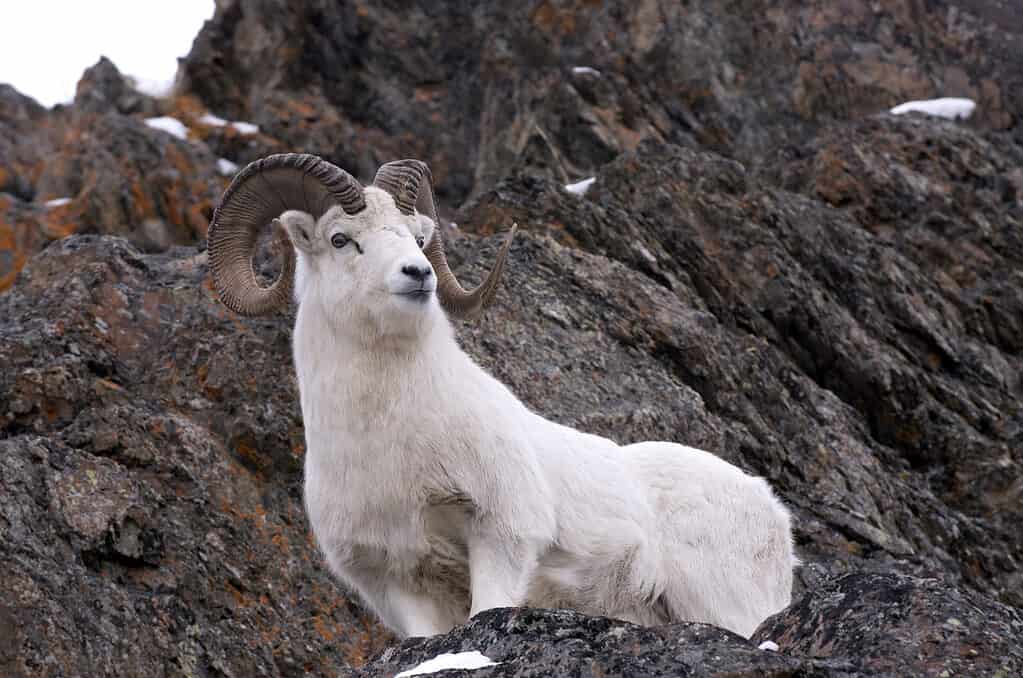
(354, 381)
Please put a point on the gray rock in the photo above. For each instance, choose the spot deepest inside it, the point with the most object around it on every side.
(478, 87)
(103, 89)
(140, 534)
(856, 625)
(891, 624)
(533, 643)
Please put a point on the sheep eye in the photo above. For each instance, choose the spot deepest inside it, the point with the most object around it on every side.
(420, 240)
(339, 240)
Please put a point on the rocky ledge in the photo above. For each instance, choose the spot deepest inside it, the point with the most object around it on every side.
(856, 625)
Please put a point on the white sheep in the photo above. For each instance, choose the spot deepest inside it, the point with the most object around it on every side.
(431, 489)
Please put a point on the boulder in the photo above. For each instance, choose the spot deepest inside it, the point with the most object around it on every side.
(856, 625)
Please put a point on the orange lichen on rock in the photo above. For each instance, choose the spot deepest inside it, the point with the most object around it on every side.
(551, 19)
(61, 221)
(13, 250)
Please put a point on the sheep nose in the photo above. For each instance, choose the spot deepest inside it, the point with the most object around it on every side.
(419, 273)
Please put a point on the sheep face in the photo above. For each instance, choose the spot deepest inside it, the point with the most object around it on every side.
(366, 269)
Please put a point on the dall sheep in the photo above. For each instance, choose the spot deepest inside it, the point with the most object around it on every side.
(432, 490)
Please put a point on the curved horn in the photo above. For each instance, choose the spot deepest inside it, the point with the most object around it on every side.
(403, 179)
(257, 194)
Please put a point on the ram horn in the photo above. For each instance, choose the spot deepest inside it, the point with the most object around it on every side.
(258, 194)
(404, 180)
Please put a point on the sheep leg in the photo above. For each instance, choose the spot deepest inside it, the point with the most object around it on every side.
(405, 612)
(419, 613)
(500, 568)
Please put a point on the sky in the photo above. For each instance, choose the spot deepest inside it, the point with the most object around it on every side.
(46, 44)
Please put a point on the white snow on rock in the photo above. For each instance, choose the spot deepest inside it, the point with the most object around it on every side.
(953, 108)
(245, 127)
(580, 187)
(212, 120)
(226, 167)
(462, 660)
(585, 70)
(169, 125)
(217, 121)
(768, 645)
(57, 202)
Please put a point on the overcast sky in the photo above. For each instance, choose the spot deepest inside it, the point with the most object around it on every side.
(46, 44)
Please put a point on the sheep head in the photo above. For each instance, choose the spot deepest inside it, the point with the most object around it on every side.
(381, 238)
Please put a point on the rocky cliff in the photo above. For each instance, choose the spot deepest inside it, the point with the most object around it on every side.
(766, 266)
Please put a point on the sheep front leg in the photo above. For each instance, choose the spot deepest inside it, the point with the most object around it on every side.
(407, 613)
(419, 614)
(500, 568)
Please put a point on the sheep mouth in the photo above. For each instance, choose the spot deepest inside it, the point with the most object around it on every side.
(419, 295)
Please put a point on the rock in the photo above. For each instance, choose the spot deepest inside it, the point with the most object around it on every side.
(103, 89)
(150, 488)
(25, 135)
(23, 128)
(891, 624)
(532, 643)
(856, 625)
(477, 88)
(90, 168)
(688, 353)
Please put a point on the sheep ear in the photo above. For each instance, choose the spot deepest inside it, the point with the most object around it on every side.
(299, 228)
(428, 225)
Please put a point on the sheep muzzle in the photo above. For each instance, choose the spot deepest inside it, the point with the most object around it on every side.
(404, 180)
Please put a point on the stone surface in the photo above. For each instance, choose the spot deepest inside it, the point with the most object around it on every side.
(530, 643)
(96, 167)
(857, 625)
(891, 624)
(151, 520)
(103, 88)
(477, 87)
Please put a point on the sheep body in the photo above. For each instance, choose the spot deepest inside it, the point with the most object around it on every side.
(435, 493)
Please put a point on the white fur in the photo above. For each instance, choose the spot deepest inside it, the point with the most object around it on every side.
(435, 493)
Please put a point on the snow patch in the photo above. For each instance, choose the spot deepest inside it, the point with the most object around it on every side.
(169, 125)
(245, 127)
(462, 660)
(217, 121)
(226, 167)
(585, 70)
(953, 108)
(57, 202)
(212, 120)
(645, 253)
(580, 187)
(768, 645)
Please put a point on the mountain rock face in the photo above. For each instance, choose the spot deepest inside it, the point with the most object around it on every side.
(92, 168)
(766, 266)
(570, 84)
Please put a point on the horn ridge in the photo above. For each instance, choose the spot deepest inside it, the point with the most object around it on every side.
(244, 210)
